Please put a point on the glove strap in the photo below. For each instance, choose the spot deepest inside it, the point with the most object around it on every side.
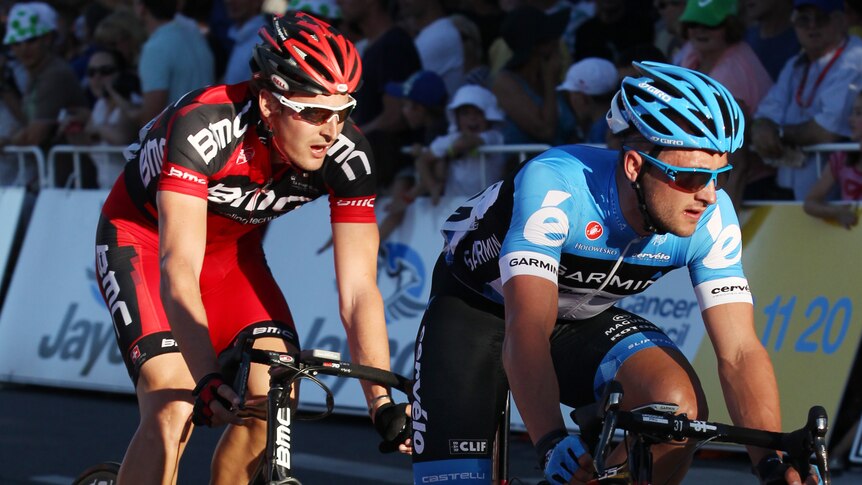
(546, 444)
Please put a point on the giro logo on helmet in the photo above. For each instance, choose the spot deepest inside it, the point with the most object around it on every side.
(665, 141)
(655, 91)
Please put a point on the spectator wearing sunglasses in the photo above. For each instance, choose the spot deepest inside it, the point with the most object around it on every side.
(524, 292)
(714, 46)
(811, 101)
(181, 234)
(112, 120)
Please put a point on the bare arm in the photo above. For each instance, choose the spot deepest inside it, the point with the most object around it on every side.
(816, 205)
(808, 133)
(361, 306)
(744, 369)
(531, 313)
(182, 241)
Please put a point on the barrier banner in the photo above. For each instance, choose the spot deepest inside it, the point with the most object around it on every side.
(54, 328)
(307, 278)
(11, 205)
(805, 277)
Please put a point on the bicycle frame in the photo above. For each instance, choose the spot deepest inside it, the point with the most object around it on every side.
(276, 466)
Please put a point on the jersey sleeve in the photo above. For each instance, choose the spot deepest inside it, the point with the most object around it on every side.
(186, 168)
(715, 258)
(542, 203)
(351, 178)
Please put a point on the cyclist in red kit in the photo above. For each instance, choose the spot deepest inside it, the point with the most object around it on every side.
(179, 243)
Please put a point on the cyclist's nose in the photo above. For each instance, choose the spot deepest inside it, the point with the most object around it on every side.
(708, 193)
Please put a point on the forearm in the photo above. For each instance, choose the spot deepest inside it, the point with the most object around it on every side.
(808, 133)
(366, 335)
(533, 381)
(751, 394)
(181, 298)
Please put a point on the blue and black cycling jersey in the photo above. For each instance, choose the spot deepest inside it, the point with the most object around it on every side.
(559, 218)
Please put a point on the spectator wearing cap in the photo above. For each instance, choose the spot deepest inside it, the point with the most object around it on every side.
(810, 103)
(437, 40)
(452, 165)
(246, 19)
(424, 105)
(771, 35)
(615, 27)
(526, 86)
(714, 46)
(589, 86)
(175, 59)
(52, 85)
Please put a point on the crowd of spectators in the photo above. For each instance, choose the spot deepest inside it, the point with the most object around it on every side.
(94, 72)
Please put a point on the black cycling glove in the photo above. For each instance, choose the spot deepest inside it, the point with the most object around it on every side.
(205, 392)
(393, 425)
(770, 470)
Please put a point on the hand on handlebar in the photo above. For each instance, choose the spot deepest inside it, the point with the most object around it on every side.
(215, 402)
(772, 471)
(392, 422)
(568, 462)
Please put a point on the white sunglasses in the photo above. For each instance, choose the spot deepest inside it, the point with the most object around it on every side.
(318, 114)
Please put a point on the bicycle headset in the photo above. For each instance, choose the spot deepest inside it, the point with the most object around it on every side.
(675, 107)
(301, 53)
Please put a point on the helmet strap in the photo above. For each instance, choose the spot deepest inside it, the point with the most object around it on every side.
(650, 224)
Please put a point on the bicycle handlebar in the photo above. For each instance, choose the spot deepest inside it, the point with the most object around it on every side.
(598, 421)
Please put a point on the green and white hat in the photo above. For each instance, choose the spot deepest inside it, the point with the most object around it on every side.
(28, 21)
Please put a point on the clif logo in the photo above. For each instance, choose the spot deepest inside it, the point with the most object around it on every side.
(594, 230)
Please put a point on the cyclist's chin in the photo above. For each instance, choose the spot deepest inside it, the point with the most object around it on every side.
(307, 160)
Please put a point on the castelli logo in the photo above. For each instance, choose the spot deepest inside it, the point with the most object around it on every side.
(341, 88)
(594, 230)
(279, 82)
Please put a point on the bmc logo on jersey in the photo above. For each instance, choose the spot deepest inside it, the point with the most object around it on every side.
(180, 174)
(594, 230)
(210, 140)
(363, 202)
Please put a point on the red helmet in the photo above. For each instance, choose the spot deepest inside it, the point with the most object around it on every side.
(302, 53)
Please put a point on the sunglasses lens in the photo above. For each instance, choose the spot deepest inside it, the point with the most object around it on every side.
(319, 116)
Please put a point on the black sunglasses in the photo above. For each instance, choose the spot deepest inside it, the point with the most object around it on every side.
(101, 71)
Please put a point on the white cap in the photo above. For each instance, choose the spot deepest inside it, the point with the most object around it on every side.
(593, 76)
(28, 21)
(475, 95)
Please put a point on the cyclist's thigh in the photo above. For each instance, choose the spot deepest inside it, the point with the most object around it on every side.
(460, 391)
(127, 267)
(238, 290)
(588, 353)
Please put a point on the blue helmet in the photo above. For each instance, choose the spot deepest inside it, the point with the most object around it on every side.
(677, 107)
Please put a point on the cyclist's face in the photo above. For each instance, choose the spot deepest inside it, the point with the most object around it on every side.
(303, 143)
(675, 210)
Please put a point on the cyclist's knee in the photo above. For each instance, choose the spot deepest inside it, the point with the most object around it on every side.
(169, 423)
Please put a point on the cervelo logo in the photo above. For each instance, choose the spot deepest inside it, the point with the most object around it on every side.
(210, 140)
(549, 225)
(467, 447)
(654, 91)
(656, 256)
(183, 175)
(594, 230)
(419, 415)
(359, 202)
(730, 289)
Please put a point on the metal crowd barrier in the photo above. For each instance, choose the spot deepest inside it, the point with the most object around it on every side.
(46, 167)
(21, 153)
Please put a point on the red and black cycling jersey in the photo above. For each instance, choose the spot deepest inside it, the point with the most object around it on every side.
(211, 144)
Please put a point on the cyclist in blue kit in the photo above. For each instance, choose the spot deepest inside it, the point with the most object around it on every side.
(523, 294)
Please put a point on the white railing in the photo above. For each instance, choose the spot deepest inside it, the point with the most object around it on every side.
(46, 167)
(76, 151)
(35, 156)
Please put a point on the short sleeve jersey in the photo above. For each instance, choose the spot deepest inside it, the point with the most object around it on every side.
(209, 145)
(559, 218)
